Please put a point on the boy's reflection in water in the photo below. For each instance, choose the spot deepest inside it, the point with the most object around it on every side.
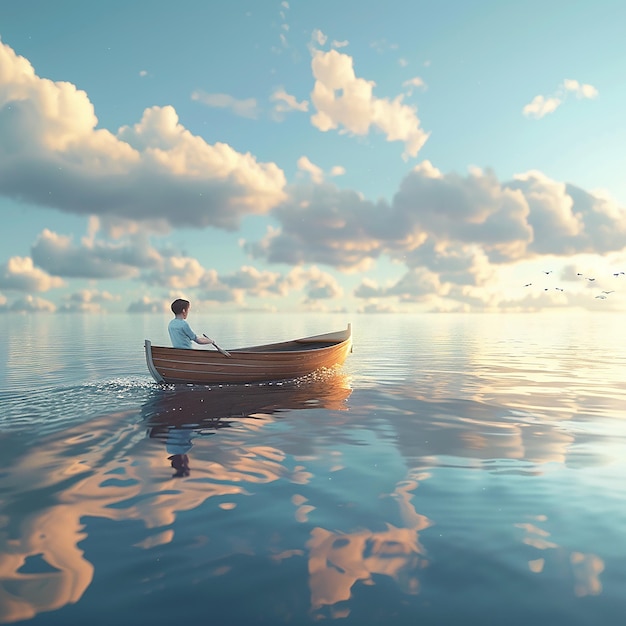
(180, 462)
(178, 439)
(177, 444)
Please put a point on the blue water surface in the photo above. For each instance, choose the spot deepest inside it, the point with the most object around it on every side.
(458, 469)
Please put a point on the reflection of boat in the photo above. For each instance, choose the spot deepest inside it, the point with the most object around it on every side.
(178, 416)
(274, 361)
(197, 407)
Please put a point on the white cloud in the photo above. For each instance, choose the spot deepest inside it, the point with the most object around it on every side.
(58, 255)
(417, 285)
(540, 106)
(51, 154)
(184, 273)
(176, 272)
(87, 301)
(318, 37)
(581, 90)
(382, 45)
(253, 282)
(243, 108)
(286, 103)
(20, 274)
(148, 305)
(316, 284)
(412, 83)
(378, 307)
(543, 105)
(346, 102)
(317, 174)
(32, 304)
(454, 225)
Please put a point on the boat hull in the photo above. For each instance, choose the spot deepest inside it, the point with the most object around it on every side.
(270, 362)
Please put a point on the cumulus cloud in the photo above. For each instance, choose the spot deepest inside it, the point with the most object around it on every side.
(52, 154)
(569, 220)
(285, 102)
(176, 272)
(59, 256)
(581, 90)
(253, 281)
(316, 173)
(31, 304)
(541, 106)
(345, 102)
(87, 301)
(243, 108)
(452, 224)
(417, 285)
(20, 274)
(453, 262)
(318, 37)
(378, 307)
(323, 224)
(148, 305)
(184, 273)
(313, 282)
(413, 83)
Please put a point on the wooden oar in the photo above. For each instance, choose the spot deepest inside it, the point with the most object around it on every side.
(224, 352)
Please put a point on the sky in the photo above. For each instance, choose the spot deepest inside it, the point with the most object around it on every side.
(355, 156)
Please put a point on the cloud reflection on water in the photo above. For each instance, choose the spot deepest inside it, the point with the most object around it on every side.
(116, 468)
(104, 469)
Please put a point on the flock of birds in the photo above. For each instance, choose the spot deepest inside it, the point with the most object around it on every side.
(601, 296)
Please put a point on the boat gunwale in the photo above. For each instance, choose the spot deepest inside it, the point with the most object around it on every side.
(298, 345)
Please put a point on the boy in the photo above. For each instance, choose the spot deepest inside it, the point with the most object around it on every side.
(180, 331)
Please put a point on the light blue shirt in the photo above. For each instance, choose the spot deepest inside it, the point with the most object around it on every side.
(178, 441)
(180, 333)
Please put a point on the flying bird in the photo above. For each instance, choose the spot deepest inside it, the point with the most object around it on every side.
(527, 284)
(591, 279)
(548, 272)
(602, 297)
(608, 292)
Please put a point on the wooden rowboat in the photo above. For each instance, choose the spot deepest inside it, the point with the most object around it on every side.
(274, 361)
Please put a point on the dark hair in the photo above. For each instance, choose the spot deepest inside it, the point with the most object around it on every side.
(178, 306)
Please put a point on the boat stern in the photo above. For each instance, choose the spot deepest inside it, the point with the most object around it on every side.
(151, 368)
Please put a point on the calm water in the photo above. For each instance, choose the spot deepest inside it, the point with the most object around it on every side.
(457, 470)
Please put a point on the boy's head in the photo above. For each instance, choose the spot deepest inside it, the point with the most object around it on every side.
(179, 305)
(180, 462)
